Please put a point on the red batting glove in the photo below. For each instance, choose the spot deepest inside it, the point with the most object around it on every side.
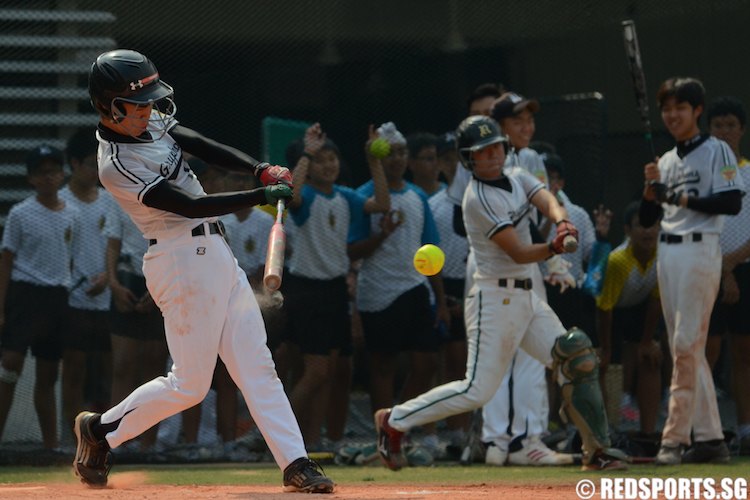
(564, 228)
(273, 174)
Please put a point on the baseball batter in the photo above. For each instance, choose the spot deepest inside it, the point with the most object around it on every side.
(693, 184)
(191, 273)
(502, 311)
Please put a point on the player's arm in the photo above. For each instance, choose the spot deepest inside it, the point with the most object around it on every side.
(381, 201)
(548, 205)
(313, 140)
(507, 239)
(227, 157)
(723, 203)
(363, 248)
(170, 198)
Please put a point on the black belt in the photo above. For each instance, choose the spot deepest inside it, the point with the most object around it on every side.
(213, 228)
(677, 238)
(511, 283)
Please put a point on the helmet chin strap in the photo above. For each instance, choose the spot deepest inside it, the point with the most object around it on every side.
(163, 121)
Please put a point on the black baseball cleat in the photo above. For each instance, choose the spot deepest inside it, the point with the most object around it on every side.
(606, 459)
(389, 441)
(707, 452)
(306, 476)
(93, 459)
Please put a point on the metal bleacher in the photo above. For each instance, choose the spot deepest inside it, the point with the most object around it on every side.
(45, 54)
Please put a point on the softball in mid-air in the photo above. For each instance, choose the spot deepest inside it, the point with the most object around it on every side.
(429, 260)
(380, 148)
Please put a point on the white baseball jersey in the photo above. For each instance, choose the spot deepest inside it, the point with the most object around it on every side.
(320, 229)
(708, 168)
(249, 238)
(488, 208)
(132, 243)
(389, 271)
(89, 246)
(737, 227)
(41, 241)
(455, 247)
(129, 170)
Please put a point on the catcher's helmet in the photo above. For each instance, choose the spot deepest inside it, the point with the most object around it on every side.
(474, 133)
(124, 75)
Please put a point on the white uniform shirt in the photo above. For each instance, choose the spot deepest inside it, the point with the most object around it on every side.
(248, 239)
(455, 247)
(389, 271)
(319, 229)
(129, 170)
(737, 227)
(489, 209)
(41, 241)
(132, 243)
(707, 169)
(89, 247)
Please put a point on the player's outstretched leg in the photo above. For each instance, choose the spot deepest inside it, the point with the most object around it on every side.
(389, 441)
(305, 476)
(93, 459)
(582, 399)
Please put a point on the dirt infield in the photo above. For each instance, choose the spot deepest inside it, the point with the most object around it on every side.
(130, 485)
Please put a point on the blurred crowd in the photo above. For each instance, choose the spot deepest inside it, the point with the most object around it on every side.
(353, 313)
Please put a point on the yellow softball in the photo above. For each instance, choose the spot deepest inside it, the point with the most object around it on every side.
(429, 260)
(380, 148)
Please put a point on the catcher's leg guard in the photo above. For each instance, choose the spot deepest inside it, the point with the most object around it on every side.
(582, 396)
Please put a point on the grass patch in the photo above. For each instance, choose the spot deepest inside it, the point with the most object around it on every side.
(234, 474)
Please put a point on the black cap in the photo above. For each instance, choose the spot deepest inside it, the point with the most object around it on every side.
(510, 104)
(44, 152)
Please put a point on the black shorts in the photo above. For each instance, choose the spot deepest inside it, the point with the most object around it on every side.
(35, 317)
(574, 308)
(405, 325)
(87, 331)
(317, 314)
(627, 326)
(733, 317)
(454, 293)
(135, 325)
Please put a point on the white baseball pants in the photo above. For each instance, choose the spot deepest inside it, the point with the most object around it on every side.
(209, 309)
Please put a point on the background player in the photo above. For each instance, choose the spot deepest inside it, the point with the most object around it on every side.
(727, 121)
(693, 184)
(205, 298)
(496, 211)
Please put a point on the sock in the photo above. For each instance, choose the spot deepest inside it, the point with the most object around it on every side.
(100, 430)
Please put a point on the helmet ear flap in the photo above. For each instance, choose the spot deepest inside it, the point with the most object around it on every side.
(118, 111)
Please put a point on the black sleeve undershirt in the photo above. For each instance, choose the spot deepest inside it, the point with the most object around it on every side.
(458, 221)
(649, 212)
(213, 152)
(165, 196)
(724, 203)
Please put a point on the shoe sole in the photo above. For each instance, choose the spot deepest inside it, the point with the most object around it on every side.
(613, 465)
(313, 488)
(79, 440)
(391, 464)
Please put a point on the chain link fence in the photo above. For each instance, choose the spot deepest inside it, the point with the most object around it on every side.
(348, 65)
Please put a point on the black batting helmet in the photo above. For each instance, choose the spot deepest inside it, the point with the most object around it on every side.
(124, 75)
(474, 133)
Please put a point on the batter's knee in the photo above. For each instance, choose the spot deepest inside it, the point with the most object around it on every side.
(191, 390)
(573, 353)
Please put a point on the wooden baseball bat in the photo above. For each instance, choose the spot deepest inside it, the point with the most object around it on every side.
(633, 53)
(275, 253)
